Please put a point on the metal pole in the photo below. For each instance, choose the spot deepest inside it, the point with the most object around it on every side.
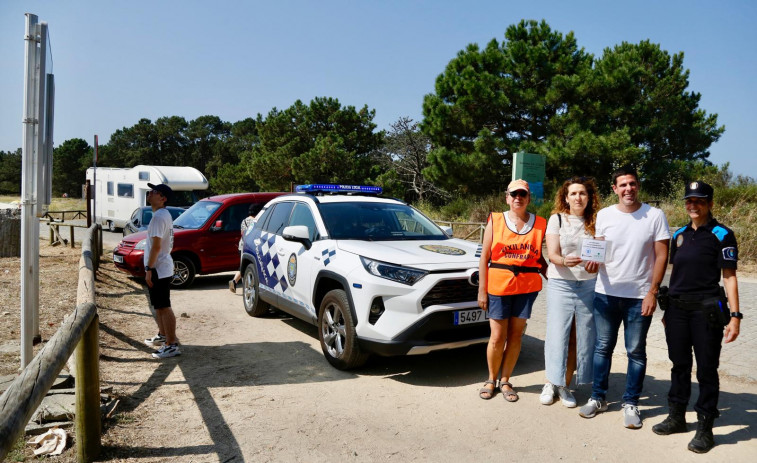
(94, 182)
(39, 154)
(87, 196)
(27, 189)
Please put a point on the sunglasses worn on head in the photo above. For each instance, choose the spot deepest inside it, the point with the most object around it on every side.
(516, 193)
(579, 179)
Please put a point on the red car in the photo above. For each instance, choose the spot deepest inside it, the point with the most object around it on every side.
(205, 238)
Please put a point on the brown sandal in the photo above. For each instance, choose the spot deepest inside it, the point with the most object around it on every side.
(510, 396)
(486, 393)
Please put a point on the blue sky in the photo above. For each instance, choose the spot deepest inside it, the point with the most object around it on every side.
(116, 62)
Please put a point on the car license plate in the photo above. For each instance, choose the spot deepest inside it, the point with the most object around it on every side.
(117, 258)
(463, 317)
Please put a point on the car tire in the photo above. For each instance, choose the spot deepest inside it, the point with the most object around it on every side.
(253, 305)
(184, 272)
(336, 331)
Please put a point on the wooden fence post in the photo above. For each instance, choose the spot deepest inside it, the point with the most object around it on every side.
(87, 418)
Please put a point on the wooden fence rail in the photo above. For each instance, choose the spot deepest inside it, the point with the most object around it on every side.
(77, 333)
(60, 216)
(471, 231)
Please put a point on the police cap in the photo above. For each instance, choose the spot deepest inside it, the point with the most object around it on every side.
(698, 190)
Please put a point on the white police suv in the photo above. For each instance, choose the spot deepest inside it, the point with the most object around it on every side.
(373, 274)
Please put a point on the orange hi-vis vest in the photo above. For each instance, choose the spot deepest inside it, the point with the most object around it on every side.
(514, 263)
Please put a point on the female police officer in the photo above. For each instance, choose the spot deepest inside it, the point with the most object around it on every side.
(697, 313)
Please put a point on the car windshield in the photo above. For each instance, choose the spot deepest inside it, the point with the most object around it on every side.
(175, 212)
(147, 214)
(377, 222)
(196, 216)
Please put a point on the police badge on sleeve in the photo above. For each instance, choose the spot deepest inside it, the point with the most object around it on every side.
(730, 253)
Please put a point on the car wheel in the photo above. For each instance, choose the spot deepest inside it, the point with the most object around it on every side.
(336, 331)
(253, 305)
(111, 226)
(183, 272)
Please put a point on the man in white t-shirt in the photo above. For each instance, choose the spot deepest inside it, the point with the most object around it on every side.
(159, 271)
(637, 238)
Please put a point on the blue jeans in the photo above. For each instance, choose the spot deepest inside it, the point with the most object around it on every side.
(569, 301)
(609, 312)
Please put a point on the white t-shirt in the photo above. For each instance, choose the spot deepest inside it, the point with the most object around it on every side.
(248, 222)
(629, 258)
(161, 226)
(572, 232)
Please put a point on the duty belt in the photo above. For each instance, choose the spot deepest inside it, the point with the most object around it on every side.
(516, 269)
(694, 304)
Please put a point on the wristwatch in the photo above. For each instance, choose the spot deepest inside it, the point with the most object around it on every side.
(738, 315)
(147, 269)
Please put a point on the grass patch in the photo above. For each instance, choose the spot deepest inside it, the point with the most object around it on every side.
(123, 418)
(68, 204)
(57, 204)
(16, 452)
(9, 199)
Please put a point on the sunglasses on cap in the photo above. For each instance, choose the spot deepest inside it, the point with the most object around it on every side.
(517, 193)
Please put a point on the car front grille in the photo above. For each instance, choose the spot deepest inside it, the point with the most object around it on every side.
(457, 333)
(450, 291)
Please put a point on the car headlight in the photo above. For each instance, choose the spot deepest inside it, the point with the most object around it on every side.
(405, 275)
(141, 245)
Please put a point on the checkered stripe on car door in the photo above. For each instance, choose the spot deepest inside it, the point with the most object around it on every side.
(271, 271)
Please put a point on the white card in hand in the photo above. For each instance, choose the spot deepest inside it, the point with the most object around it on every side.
(593, 250)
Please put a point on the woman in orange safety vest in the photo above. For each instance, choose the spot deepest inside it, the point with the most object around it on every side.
(509, 280)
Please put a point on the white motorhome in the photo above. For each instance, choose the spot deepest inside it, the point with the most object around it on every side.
(119, 191)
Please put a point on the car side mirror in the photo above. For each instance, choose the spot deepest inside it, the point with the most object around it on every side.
(298, 234)
(447, 231)
(217, 226)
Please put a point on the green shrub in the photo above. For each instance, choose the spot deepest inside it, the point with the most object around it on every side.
(456, 210)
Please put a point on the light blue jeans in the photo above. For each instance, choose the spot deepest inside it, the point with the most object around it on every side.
(569, 300)
(609, 313)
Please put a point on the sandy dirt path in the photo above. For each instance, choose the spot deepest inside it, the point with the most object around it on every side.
(260, 390)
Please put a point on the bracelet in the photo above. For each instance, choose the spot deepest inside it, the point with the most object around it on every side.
(563, 261)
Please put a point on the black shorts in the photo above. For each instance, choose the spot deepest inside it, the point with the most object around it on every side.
(160, 293)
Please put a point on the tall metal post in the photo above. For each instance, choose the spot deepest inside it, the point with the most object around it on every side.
(40, 151)
(27, 198)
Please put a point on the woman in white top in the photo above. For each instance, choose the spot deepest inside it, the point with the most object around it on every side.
(569, 342)
(248, 222)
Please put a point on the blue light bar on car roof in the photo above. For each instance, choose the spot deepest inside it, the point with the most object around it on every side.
(333, 188)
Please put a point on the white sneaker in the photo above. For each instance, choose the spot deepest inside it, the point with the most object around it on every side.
(547, 394)
(155, 341)
(566, 397)
(592, 407)
(168, 350)
(631, 416)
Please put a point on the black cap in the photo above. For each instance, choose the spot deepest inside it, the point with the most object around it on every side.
(698, 190)
(163, 189)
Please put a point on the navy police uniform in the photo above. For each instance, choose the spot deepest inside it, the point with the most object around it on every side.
(698, 257)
